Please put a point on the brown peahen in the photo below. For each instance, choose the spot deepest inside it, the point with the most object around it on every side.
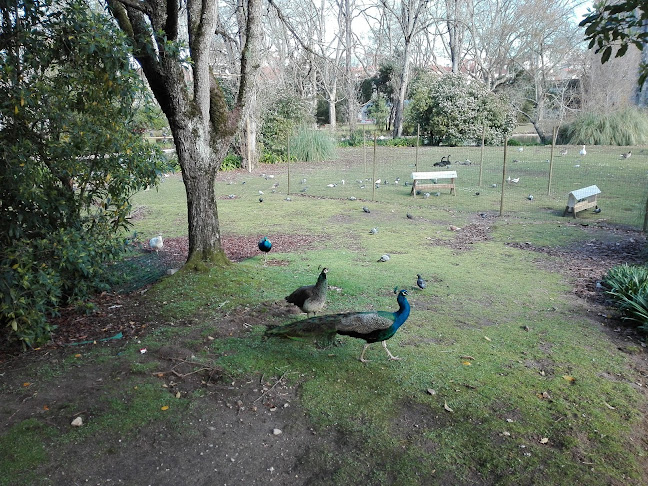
(373, 327)
(311, 298)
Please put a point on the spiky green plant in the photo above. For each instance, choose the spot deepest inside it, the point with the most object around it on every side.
(310, 145)
(628, 287)
(624, 127)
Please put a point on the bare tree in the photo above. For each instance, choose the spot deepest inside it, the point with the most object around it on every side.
(183, 82)
(410, 18)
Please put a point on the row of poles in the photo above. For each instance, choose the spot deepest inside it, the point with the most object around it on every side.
(481, 164)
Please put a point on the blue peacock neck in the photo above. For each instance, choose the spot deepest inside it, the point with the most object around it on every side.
(403, 311)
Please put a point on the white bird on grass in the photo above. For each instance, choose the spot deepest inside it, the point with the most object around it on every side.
(583, 151)
(156, 243)
(516, 180)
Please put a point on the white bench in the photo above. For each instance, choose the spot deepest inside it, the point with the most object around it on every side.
(582, 199)
(419, 177)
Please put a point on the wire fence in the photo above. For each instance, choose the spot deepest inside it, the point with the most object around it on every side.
(481, 179)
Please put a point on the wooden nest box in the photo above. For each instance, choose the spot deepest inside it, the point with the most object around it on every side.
(582, 199)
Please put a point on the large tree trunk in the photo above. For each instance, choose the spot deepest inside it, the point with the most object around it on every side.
(200, 121)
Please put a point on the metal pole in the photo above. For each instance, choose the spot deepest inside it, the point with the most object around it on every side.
(364, 148)
(247, 143)
(289, 164)
(373, 178)
(551, 158)
(418, 136)
(481, 159)
(503, 178)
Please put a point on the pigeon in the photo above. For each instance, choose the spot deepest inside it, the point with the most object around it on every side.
(260, 199)
(493, 185)
(563, 152)
(365, 209)
(626, 155)
(420, 282)
(477, 194)
(530, 197)
(437, 194)
(597, 210)
(352, 198)
(409, 216)
(426, 195)
(373, 231)
(384, 258)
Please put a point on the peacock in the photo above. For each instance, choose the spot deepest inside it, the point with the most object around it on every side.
(311, 298)
(372, 326)
(265, 245)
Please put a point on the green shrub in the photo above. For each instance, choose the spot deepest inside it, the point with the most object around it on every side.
(628, 288)
(231, 162)
(310, 145)
(453, 110)
(38, 276)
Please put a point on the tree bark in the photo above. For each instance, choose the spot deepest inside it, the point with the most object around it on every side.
(200, 121)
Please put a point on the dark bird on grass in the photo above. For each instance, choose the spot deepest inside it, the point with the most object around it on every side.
(626, 155)
(265, 245)
(597, 210)
(409, 216)
(365, 209)
(373, 326)
(260, 199)
(420, 282)
(311, 298)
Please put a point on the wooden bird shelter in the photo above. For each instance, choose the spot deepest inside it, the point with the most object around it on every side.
(582, 199)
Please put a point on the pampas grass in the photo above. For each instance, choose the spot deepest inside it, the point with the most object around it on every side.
(624, 127)
(310, 145)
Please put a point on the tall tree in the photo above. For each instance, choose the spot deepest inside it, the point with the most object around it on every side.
(409, 15)
(172, 41)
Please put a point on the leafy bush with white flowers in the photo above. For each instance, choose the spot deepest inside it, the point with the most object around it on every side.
(453, 109)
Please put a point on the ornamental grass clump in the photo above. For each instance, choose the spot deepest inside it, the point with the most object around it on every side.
(628, 288)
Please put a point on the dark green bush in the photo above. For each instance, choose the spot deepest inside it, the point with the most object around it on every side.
(231, 162)
(627, 285)
(38, 276)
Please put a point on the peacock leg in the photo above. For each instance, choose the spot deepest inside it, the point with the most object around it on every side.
(363, 352)
(391, 356)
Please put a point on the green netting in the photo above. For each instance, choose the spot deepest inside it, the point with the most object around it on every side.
(137, 271)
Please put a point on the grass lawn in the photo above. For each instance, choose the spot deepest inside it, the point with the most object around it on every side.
(507, 377)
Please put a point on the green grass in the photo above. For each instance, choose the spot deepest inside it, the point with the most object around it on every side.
(539, 366)
(477, 305)
(23, 449)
